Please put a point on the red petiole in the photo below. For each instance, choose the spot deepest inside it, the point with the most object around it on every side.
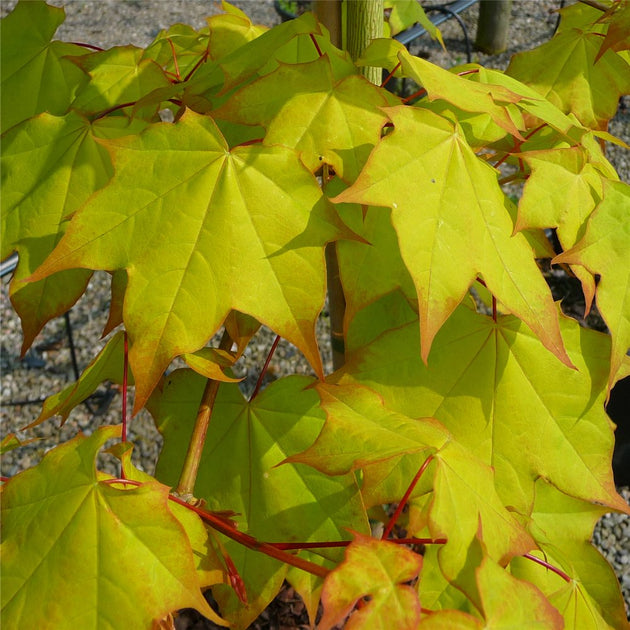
(547, 565)
(194, 69)
(345, 543)
(319, 50)
(390, 75)
(124, 387)
(265, 368)
(177, 74)
(518, 144)
(401, 505)
(88, 46)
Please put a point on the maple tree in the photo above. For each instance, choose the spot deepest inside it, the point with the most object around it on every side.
(468, 419)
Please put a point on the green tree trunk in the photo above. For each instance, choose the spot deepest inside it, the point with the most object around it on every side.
(364, 23)
(494, 26)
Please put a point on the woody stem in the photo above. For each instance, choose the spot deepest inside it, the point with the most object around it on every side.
(188, 477)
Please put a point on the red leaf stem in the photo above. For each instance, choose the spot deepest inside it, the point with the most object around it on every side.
(390, 75)
(547, 565)
(421, 92)
(177, 74)
(401, 505)
(518, 144)
(465, 72)
(310, 545)
(3, 479)
(494, 309)
(89, 46)
(344, 543)
(250, 542)
(265, 367)
(123, 437)
(218, 523)
(194, 69)
(419, 541)
(319, 50)
(250, 142)
(113, 109)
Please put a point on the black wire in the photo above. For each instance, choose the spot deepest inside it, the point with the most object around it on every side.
(447, 11)
(555, 29)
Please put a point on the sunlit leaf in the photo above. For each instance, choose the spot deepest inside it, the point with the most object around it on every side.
(360, 431)
(117, 76)
(406, 13)
(376, 569)
(206, 549)
(526, 422)
(36, 76)
(563, 527)
(178, 49)
(210, 362)
(382, 53)
(103, 556)
(451, 619)
(509, 602)
(565, 72)
(246, 60)
(464, 497)
(216, 231)
(50, 166)
(453, 224)
(605, 250)
(231, 30)
(302, 106)
(444, 85)
(239, 471)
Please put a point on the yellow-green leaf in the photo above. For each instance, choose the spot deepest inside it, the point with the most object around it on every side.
(565, 71)
(204, 230)
(239, 472)
(105, 557)
(303, 106)
(605, 250)
(107, 366)
(376, 569)
(453, 225)
(36, 74)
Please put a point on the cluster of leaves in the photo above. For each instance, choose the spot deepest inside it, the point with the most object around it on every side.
(484, 418)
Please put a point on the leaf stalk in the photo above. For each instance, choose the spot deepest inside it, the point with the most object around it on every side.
(401, 505)
(190, 469)
(261, 377)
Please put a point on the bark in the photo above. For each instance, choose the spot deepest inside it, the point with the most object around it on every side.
(494, 26)
(365, 23)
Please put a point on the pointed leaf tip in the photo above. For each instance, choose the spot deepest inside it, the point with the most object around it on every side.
(453, 225)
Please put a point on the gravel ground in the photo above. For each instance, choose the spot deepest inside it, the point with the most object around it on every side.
(47, 367)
